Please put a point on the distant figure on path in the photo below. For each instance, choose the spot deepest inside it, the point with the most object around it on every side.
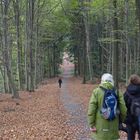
(104, 120)
(132, 99)
(59, 82)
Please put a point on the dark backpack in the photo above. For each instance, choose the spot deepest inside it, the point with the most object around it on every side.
(109, 105)
(134, 105)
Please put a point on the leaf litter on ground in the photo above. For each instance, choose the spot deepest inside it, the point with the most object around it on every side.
(40, 115)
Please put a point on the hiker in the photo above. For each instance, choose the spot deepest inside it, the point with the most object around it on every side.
(104, 126)
(132, 100)
(60, 82)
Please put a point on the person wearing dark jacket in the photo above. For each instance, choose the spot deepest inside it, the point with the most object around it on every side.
(59, 82)
(132, 121)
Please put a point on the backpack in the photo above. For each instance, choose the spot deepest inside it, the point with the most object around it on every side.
(135, 105)
(109, 105)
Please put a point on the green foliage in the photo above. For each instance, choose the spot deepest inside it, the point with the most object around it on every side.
(60, 23)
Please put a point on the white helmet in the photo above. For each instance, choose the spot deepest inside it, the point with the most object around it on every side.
(107, 77)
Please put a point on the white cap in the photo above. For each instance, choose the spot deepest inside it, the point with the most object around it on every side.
(107, 77)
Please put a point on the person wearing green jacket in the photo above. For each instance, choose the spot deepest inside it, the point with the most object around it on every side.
(101, 128)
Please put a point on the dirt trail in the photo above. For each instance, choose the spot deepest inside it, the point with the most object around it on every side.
(77, 121)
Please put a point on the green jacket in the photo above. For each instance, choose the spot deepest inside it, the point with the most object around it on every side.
(106, 130)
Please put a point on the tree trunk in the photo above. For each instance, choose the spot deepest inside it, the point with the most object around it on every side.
(26, 47)
(138, 10)
(31, 64)
(54, 60)
(4, 9)
(84, 61)
(138, 15)
(127, 41)
(88, 48)
(36, 77)
(19, 48)
(115, 47)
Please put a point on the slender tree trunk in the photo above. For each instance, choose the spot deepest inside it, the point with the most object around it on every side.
(49, 62)
(31, 64)
(75, 60)
(54, 60)
(115, 47)
(127, 41)
(19, 48)
(84, 61)
(138, 10)
(36, 56)
(138, 16)
(26, 48)
(36, 77)
(78, 62)
(121, 63)
(88, 48)
(6, 87)
(130, 61)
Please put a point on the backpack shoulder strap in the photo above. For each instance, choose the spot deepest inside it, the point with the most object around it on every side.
(102, 88)
(115, 91)
(130, 96)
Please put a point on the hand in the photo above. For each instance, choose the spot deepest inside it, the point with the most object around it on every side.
(93, 129)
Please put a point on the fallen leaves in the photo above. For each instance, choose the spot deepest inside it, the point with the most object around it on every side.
(41, 115)
(38, 116)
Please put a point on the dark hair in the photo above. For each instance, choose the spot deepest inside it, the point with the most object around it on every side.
(134, 79)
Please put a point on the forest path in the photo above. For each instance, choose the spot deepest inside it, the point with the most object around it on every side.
(77, 121)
